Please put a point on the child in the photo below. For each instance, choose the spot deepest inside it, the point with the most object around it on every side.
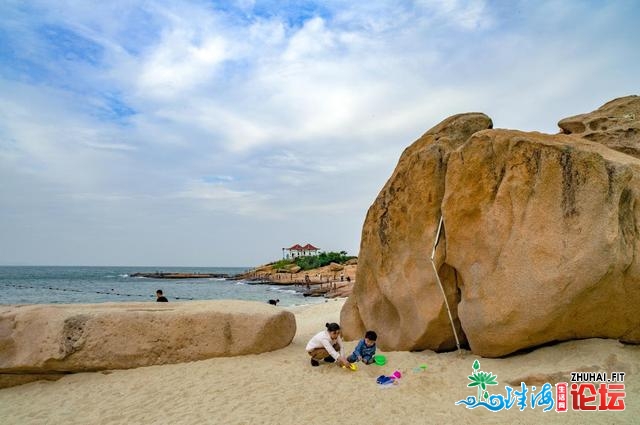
(365, 350)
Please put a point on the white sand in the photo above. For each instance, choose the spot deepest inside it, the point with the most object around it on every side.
(282, 388)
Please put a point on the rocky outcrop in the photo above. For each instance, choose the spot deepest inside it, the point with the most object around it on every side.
(615, 124)
(539, 244)
(395, 294)
(48, 340)
(335, 267)
(295, 276)
(340, 289)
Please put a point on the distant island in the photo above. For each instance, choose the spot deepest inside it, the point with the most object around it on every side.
(169, 275)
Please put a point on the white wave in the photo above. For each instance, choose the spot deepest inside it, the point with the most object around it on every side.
(288, 291)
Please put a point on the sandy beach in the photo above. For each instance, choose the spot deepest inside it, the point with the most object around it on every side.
(281, 387)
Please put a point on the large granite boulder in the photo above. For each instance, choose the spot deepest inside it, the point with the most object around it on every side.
(49, 339)
(395, 294)
(543, 232)
(539, 244)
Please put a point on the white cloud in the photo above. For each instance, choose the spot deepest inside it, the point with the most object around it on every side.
(179, 64)
(266, 33)
(99, 197)
(463, 14)
(311, 40)
(111, 146)
(218, 197)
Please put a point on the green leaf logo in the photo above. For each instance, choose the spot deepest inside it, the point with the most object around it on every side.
(481, 379)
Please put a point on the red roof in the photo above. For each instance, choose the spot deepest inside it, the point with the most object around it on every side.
(296, 247)
(309, 247)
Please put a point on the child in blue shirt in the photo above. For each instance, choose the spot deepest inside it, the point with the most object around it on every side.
(365, 350)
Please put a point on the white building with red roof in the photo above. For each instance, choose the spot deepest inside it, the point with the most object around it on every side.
(298, 250)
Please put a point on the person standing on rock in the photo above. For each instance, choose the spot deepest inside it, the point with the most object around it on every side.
(328, 346)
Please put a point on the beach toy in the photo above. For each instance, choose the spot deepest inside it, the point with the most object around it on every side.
(352, 366)
(380, 359)
(384, 380)
(396, 375)
(420, 368)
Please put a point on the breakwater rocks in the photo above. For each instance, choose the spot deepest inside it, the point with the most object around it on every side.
(170, 275)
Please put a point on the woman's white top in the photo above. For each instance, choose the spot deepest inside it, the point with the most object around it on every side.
(323, 340)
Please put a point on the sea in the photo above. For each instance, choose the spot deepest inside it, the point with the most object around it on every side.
(71, 285)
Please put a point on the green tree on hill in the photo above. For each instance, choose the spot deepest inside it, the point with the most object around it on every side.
(322, 259)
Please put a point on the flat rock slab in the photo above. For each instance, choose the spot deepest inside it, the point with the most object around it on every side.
(50, 339)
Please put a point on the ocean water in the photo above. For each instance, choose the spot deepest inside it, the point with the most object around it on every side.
(70, 285)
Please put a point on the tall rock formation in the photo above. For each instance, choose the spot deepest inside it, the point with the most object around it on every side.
(540, 237)
(395, 293)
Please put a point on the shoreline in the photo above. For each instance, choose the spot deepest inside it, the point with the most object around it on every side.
(78, 285)
(280, 387)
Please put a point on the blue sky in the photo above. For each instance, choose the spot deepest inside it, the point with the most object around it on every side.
(214, 133)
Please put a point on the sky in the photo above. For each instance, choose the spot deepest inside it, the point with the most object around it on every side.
(215, 133)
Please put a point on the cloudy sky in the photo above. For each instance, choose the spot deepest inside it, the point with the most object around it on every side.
(214, 133)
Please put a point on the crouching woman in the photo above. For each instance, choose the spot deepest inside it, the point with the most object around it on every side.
(328, 346)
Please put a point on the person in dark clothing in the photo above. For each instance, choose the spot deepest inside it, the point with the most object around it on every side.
(161, 298)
